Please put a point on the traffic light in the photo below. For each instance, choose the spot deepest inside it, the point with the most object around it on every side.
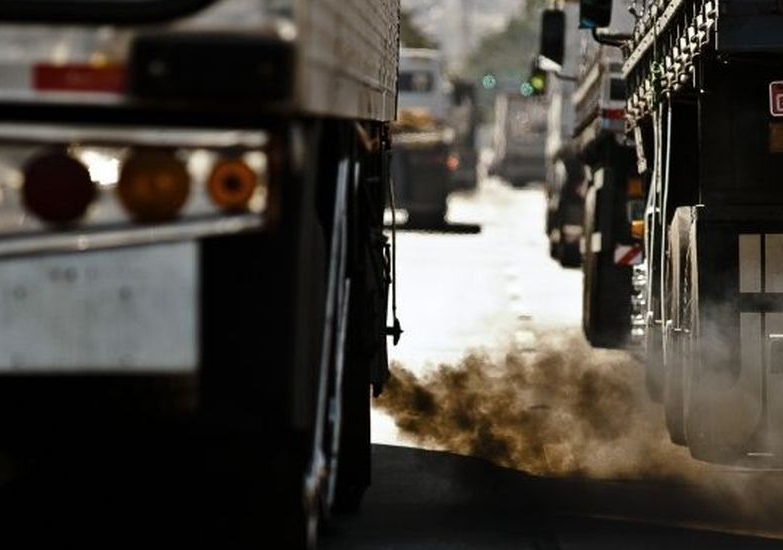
(537, 81)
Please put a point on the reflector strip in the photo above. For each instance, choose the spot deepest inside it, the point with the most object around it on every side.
(627, 254)
(79, 78)
(750, 263)
(773, 263)
(596, 242)
(613, 114)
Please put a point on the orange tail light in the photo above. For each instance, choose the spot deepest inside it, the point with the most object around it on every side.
(153, 186)
(232, 184)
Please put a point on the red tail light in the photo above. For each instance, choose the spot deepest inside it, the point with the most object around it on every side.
(57, 188)
(452, 162)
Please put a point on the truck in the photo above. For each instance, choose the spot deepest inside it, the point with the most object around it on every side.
(701, 143)
(465, 120)
(565, 180)
(519, 137)
(592, 186)
(423, 139)
(191, 208)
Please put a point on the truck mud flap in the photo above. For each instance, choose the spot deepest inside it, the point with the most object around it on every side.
(734, 378)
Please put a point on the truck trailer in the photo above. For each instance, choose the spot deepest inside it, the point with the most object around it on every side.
(191, 215)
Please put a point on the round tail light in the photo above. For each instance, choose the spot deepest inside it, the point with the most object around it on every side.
(153, 186)
(452, 162)
(57, 188)
(232, 184)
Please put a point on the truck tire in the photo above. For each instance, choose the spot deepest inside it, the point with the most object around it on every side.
(606, 289)
(366, 335)
(570, 255)
(678, 300)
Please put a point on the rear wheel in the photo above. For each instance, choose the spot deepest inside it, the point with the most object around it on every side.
(569, 254)
(606, 288)
(677, 324)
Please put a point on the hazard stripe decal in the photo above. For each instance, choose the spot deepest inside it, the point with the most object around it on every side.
(628, 254)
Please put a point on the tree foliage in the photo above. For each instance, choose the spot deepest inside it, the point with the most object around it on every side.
(508, 53)
(411, 36)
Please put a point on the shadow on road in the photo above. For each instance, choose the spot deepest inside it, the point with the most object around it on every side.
(445, 227)
(425, 500)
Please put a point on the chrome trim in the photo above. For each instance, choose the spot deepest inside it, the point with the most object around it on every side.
(122, 136)
(115, 238)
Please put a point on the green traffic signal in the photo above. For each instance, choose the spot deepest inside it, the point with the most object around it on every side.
(538, 82)
(489, 81)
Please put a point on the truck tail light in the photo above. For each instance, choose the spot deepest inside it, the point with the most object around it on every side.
(452, 162)
(153, 185)
(57, 188)
(232, 184)
(635, 188)
(637, 229)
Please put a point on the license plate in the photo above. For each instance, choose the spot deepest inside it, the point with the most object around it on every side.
(126, 310)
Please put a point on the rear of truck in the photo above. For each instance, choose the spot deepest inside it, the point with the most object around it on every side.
(565, 172)
(519, 139)
(594, 226)
(423, 139)
(191, 203)
(703, 81)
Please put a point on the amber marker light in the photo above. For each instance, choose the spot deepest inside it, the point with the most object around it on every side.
(57, 188)
(637, 229)
(153, 186)
(232, 184)
(635, 187)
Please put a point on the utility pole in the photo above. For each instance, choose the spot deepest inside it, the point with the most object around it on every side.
(466, 19)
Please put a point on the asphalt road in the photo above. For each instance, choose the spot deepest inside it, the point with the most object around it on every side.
(436, 500)
(501, 429)
(493, 302)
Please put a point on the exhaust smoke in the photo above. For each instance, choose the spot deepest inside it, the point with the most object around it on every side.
(564, 409)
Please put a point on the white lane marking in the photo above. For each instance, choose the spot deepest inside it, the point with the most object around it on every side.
(525, 340)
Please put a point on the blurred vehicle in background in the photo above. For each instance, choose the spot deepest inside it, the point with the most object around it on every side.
(565, 194)
(565, 172)
(465, 120)
(191, 206)
(587, 87)
(519, 138)
(423, 159)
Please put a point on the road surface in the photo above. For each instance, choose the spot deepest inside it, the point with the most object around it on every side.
(481, 308)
